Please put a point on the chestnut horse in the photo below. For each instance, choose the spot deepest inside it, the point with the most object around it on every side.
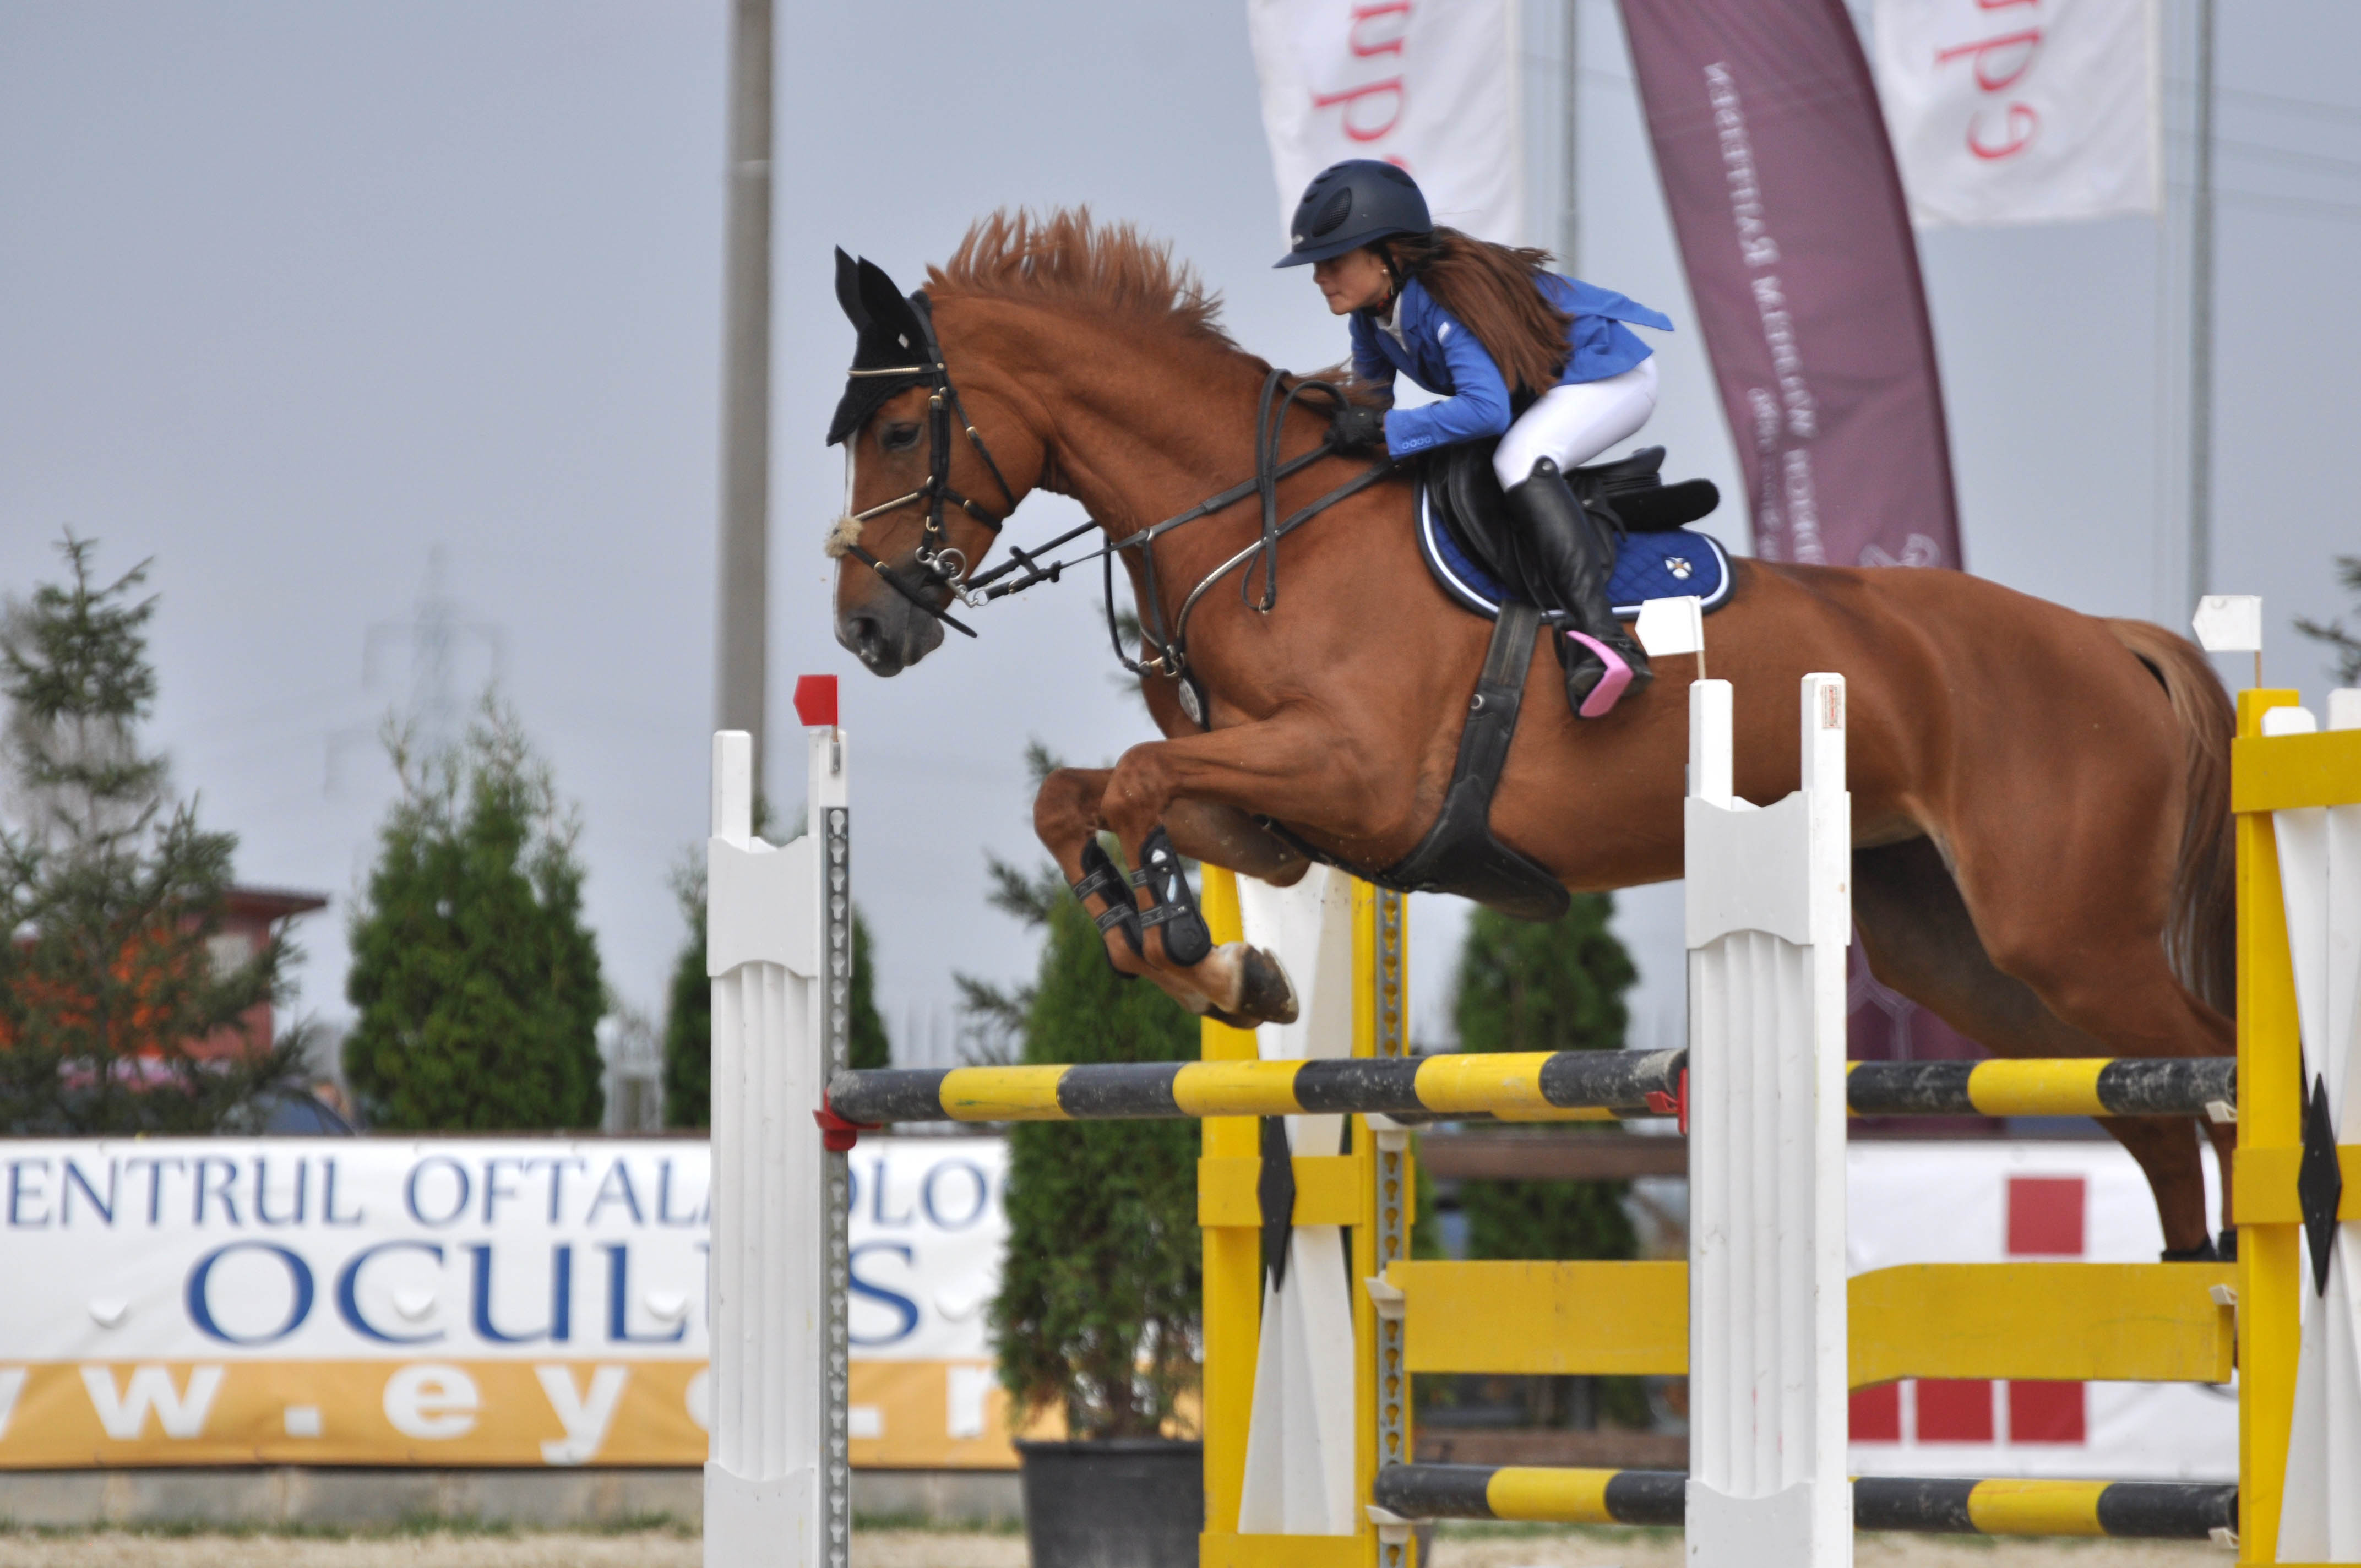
(2040, 797)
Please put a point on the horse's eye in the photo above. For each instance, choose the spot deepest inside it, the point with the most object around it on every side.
(898, 437)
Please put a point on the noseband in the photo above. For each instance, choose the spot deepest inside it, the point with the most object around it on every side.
(942, 563)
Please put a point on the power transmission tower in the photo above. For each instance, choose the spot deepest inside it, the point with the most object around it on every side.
(436, 712)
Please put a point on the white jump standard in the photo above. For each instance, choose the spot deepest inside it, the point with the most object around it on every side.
(778, 947)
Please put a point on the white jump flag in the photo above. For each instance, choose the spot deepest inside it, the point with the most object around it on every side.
(2229, 623)
(1672, 625)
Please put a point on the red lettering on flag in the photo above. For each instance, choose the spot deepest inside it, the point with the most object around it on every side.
(1352, 38)
(2029, 41)
(1351, 97)
(2023, 122)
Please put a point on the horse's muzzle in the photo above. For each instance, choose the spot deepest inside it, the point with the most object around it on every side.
(886, 632)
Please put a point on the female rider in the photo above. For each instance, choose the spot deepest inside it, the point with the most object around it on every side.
(1545, 363)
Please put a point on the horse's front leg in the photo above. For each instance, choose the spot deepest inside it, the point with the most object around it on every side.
(1293, 766)
(1066, 817)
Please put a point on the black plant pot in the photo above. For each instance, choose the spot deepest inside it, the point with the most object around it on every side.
(1119, 1503)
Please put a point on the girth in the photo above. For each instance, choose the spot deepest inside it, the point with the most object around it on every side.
(1459, 854)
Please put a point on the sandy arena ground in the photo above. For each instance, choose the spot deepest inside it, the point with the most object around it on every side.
(1472, 1548)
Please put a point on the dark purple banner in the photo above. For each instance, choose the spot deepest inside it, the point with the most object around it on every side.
(1801, 260)
(1800, 257)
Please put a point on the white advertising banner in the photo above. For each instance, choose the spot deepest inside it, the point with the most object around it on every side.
(2033, 111)
(452, 1301)
(513, 1301)
(1427, 84)
(2036, 1200)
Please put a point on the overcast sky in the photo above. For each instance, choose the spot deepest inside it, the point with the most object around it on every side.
(293, 294)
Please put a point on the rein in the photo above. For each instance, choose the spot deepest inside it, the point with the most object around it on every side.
(943, 563)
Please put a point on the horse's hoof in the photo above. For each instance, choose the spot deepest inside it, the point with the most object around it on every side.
(1265, 992)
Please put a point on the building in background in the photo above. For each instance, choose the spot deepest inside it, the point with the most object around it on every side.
(251, 916)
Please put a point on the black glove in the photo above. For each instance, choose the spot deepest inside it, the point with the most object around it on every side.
(1358, 428)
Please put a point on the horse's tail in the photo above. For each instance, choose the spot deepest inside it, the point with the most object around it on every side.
(2200, 937)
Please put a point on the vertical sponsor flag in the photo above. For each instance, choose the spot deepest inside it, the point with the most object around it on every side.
(2033, 112)
(1412, 82)
(1805, 270)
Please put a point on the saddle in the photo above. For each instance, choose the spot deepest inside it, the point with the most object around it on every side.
(1629, 495)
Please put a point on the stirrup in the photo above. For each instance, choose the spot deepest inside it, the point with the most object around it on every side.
(1609, 688)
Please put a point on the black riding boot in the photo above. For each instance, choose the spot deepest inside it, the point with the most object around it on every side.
(1567, 557)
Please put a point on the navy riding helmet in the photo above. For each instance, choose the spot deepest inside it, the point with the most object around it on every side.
(1351, 205)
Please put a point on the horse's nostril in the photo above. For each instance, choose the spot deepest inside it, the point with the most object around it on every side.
(863, 635)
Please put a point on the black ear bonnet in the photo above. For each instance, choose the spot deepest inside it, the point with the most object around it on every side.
(893, 336)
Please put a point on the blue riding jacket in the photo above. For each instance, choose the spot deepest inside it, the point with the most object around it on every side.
(1445, 358)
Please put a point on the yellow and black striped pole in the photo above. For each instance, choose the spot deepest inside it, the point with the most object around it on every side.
(2068, 1087)
(2155, 1510)
(1473, 1083)
(1509, 1086)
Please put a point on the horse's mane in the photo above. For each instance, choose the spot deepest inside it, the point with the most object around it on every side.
(1061, 256)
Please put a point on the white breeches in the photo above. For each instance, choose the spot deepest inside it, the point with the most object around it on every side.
(1571, 425)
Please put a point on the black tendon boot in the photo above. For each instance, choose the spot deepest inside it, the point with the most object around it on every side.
(1567, 556)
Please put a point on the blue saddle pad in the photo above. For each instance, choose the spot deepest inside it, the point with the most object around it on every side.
(1648, 566)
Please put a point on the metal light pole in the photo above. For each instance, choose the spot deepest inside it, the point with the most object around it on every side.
(1569, 222)
(2201, 322)
(741, 648)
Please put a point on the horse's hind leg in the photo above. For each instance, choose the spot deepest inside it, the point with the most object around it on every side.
(1920, 939)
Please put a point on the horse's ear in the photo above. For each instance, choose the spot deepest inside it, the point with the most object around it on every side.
(848, 290)
(886, 305)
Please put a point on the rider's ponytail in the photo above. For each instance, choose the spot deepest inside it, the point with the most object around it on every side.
(1492, 290)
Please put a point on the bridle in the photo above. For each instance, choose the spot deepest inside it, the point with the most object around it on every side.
(940, 560)
(943, 563)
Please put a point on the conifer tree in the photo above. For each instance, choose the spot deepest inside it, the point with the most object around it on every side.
(688, 1009)
(2347, 644)
(1555, 986)
(476, 982)
(110, 894)
(1097, 1311)
(688, 1023)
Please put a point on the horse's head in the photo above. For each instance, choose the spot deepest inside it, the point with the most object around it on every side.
(924, 497)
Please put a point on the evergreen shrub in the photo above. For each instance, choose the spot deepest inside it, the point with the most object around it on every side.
(1097, 1311)
(116, 1002)
(688, 1009)
(476, 978)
